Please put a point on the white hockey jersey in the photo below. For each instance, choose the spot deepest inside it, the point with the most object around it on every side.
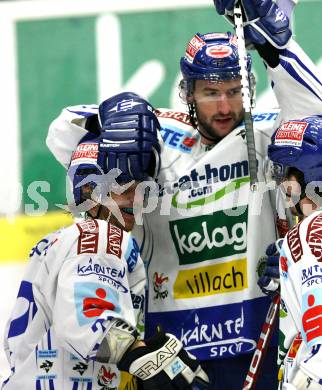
(76, 282)
(203, 240)
(301, 294)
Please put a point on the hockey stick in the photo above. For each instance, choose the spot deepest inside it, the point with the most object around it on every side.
(272, 314)
(262, 344)
(242, 58)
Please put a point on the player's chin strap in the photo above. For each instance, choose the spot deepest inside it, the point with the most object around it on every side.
(242, 59)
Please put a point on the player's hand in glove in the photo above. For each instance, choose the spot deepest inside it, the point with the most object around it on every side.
(129, 136)
(264, 21)
(163, 364)
(269, 280)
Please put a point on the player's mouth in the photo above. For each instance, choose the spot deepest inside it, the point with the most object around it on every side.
(127, 210)
(224, 120)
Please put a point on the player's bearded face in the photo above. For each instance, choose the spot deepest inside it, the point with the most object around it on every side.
(219, 107)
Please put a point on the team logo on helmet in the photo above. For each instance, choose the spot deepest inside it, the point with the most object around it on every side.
(195, 44)
(216, 36)
(85, 153)
(219, 51)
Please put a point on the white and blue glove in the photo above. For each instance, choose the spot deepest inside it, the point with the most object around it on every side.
(269, 281)
(164, 364)
(264, 21)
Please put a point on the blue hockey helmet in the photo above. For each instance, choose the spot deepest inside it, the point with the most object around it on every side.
(129, 139)
(84, 168)
(213, 57)
(297, 144)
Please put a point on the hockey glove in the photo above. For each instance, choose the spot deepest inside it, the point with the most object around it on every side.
(129, 139)
(269, 280)
(164, 364)
(264, 21)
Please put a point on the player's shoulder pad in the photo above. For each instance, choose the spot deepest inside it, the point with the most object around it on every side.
(176, 130)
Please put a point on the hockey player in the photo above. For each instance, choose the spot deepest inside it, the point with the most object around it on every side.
(203, 241)
(296, 154)
(82, 295)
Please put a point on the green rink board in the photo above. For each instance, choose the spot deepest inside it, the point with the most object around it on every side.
(57, 67)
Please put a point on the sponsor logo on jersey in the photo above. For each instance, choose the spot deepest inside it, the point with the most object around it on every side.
(312, 316)
(195, 44)
(314, 236)
(177, 139)
(42, 247)
(223, 338)
(88, 236)
(132, 254)
(312, 275)
(211, 236)
(265, 116)
(107, 274)
(45, 362)
(294, 347)
(93, 300)
(290, 133)
(137, 301)
(294, 243)
(80, 367)
(203, 186)
(219, 51)
(46, 365)
(160, 285)
(105, 377)
(114, 240)
(284, 266)
(94, 306)
(177, 115)
(39, 247)
(213, 279)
